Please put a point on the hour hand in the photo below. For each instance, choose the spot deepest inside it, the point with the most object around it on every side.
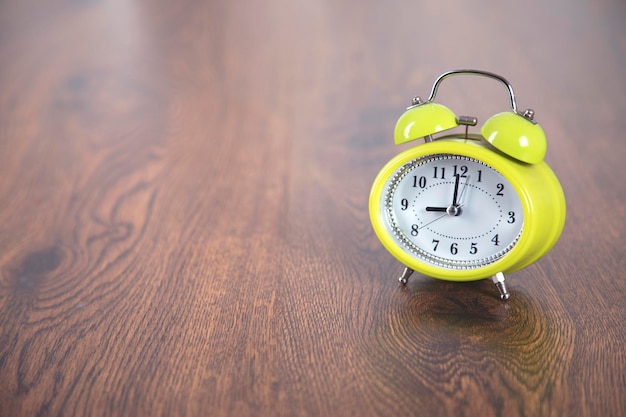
(451, 210)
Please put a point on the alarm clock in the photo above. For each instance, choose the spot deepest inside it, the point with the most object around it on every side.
(464, 206)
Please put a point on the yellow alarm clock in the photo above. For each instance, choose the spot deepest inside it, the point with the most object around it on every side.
(465, 206)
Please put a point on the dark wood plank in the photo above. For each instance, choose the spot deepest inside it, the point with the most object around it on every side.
(183, 211)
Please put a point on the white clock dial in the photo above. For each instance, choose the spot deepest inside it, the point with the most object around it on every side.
(452, 211)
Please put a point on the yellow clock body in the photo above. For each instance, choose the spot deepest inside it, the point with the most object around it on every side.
(464, 207)
(540, 195)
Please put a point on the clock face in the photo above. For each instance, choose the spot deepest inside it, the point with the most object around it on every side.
(452, 211)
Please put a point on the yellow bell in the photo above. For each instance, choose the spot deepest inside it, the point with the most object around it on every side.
(516, 135)
(423, 120)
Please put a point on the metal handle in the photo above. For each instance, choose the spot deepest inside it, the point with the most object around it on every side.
(481, 73)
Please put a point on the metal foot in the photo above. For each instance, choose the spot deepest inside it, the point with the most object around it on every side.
(404, 278)
(498, 279)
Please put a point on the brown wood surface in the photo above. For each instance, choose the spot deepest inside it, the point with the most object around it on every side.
(183, 210)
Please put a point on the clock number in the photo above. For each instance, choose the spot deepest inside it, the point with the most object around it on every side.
(414, 230)
(443, 173)
(496, 240)
(473, 248)
(511, 217)
(421, 182)
(500, 189)
(436, 242)
(480, 175)
(404, 203)
(463, 170)
(454, 248)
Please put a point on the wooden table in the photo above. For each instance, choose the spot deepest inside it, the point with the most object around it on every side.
(183, 210)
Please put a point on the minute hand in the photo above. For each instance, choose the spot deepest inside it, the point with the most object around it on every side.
(457, 180)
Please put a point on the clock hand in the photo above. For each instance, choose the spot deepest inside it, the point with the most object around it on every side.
(452, 211)
(457, 178)
(432, 221)
(464, 188)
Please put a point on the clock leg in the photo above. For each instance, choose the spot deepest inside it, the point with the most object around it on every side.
(498, 279)
(404, 278)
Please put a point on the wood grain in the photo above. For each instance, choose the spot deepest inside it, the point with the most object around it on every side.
(183, 211)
